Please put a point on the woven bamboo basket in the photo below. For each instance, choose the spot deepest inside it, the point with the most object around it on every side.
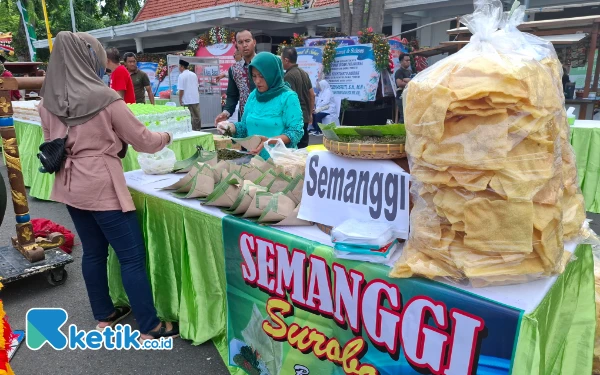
(364, 150)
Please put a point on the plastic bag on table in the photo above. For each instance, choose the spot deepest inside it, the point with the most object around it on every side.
(363, 232)
(494, 181)
(161, 162)
(291, 160)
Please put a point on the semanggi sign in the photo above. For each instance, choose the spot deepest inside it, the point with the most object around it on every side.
(323, 313)
(337, 188)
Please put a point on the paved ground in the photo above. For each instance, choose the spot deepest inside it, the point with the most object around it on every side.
(20, 296)
(35, 292)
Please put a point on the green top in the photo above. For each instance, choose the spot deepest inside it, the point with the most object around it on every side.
(140, 82)
(299, 81)
(281, 115)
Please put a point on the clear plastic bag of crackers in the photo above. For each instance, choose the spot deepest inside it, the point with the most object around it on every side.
(495, 188)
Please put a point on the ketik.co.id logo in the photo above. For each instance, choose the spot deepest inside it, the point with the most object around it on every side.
(44, 324)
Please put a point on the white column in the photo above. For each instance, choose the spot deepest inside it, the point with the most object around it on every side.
(425, 34)
(526, 18)
(396, 24)
(311, 30)
(139, 46)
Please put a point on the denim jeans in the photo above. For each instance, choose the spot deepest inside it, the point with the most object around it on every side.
(98, 229)
(318, 117)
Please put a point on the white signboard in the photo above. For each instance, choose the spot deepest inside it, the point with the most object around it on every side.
(211, 71)
(337, 188)
(353, 75)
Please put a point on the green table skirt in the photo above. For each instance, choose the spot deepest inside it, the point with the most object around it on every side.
(186, 264)
(30, 136)
(186, 267)
(586, 144)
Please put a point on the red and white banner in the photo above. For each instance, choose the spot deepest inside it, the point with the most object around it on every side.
(223, 52)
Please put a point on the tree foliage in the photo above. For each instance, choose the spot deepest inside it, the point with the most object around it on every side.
(89, 15)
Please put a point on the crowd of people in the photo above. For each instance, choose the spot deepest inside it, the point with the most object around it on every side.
(288, 79)
(272, 96)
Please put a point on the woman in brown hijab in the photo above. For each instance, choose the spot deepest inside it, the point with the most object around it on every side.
(99, 126)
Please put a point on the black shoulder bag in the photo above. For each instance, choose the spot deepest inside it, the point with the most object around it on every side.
(52, 154)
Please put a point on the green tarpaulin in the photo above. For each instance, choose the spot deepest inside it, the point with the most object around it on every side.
(586, 144)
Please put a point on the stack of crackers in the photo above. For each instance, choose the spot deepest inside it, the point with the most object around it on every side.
(494, 178)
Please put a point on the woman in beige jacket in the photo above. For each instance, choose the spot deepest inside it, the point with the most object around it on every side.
(99, 126)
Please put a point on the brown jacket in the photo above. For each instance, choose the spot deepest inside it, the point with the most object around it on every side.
(92, 177)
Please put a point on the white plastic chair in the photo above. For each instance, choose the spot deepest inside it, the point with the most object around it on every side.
(335, 118)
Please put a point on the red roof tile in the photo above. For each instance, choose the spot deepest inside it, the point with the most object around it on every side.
(324, 3)
(160, 8)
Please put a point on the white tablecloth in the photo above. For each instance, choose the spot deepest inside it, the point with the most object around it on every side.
(586, 124)
(523, 296)
(179, 136)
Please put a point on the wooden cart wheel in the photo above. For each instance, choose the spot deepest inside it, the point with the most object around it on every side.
(57, 276)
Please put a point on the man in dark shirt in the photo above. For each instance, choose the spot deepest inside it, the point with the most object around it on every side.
(402, 78)
(239, 85)
(299, 81)
(140, 79)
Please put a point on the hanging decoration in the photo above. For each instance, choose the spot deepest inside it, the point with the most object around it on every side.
(161, 70)
(215, 35)
(329, 55)
(381, 48)
(281, 46)
(298, 40)
(150, 57)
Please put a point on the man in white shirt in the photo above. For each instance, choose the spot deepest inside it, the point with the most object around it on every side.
(189, 97)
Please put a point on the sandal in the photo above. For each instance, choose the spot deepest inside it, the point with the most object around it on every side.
(121, 312)
(162, 331)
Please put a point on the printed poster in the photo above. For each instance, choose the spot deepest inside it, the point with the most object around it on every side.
(293, 308)
(310, 59)
(224, 52)
(397, 47)
(164, 85)
(353, 75)
(150, 69)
